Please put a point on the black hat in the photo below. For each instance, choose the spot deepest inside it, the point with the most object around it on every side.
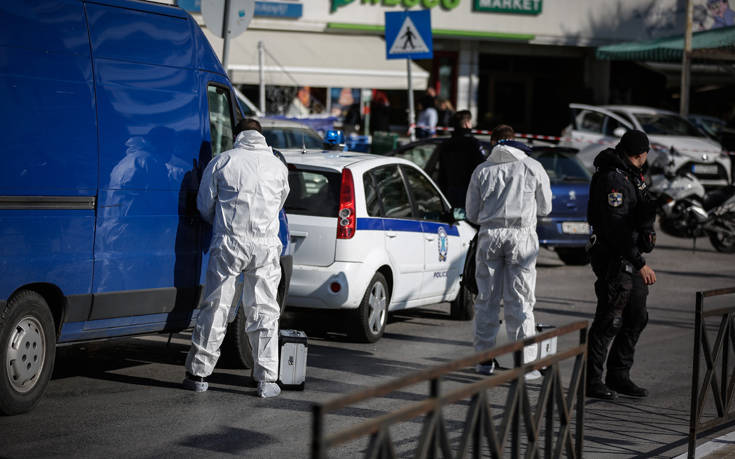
(633, 143)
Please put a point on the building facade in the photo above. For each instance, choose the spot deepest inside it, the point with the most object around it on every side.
(514, 61)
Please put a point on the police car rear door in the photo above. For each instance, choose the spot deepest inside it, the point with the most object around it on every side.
(441, 242)
(404, 239)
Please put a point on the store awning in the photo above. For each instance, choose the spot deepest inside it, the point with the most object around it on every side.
(317, 59)
(715, 44)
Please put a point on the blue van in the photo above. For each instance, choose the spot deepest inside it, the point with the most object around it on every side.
(110, 111)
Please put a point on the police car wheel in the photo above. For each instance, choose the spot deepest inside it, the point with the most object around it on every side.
(463, 307)
(27, 352)
(574, 257)
(372, 315)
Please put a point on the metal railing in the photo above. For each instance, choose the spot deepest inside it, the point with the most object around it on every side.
(434, 438)
(723, 388)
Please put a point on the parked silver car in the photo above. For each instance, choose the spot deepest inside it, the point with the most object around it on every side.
(673, 139)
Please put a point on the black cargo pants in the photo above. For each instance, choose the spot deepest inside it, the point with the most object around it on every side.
(620, 317)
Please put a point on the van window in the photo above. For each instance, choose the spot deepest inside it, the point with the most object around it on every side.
(313, 193)
(220, 118)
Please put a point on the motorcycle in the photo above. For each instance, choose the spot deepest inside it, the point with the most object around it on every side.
(686, 210)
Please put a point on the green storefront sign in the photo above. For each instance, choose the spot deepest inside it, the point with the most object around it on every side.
(509, 6)
(445, 4)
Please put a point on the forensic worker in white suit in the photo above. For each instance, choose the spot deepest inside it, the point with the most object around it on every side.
(506, 194)
(241, 193)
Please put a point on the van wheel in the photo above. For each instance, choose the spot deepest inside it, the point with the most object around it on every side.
(463, 307)
(27, 352)
(372, 315)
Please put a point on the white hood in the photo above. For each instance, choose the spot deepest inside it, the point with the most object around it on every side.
(505, 154)
(694, 147)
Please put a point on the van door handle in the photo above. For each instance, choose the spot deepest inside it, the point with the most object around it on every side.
(430, 238)
(298, 233)
(390, 234)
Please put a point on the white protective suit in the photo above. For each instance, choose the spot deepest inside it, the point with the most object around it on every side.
(505, 195)
(241, 193)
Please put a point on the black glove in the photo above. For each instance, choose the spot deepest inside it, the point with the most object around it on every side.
(646, 240)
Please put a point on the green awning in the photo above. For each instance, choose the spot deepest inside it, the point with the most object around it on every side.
(709, 44)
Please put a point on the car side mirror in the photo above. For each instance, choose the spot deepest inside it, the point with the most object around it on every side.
(458, 214)
(619, 131)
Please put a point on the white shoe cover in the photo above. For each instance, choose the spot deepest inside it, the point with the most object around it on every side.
(268, 389)
(531, 375)
(196, 386)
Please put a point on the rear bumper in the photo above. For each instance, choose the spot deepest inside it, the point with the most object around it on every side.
(311, 286)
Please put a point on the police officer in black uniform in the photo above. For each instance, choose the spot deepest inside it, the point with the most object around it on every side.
(458, 158)
(622, 214)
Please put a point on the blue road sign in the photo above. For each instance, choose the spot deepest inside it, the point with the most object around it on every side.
(408, 35)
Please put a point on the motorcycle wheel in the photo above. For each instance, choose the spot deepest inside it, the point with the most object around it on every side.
(723, 242)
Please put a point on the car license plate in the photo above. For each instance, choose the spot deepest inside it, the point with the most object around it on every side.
(704, 169)
(575, 228)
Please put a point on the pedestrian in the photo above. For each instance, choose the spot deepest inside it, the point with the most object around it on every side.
(621, 213)
(241, 193)
(300, 105)
(427, 119)
(505, 195)
(445, 112)
(458, 157)
(379, 112)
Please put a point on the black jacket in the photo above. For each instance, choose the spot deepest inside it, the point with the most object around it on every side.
(458, 158)
(620, 209)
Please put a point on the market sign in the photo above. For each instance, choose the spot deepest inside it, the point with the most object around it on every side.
(508, 6)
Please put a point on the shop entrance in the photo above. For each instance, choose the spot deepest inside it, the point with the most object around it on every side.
(531, 93)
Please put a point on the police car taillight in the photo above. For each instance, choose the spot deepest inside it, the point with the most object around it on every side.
(346, 216)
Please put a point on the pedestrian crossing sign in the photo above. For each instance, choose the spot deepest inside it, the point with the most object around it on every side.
(408, 35)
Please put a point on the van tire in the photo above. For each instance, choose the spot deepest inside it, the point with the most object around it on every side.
(370, 319)
(463, 307)
(27, 334)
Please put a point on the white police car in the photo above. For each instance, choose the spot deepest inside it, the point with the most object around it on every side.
(372, 234)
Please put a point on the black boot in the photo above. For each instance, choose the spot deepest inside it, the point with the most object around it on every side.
(600, 390)
(623, 385)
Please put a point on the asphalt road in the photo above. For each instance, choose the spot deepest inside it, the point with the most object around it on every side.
(123, 397)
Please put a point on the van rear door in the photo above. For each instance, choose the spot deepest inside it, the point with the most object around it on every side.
(312, 206)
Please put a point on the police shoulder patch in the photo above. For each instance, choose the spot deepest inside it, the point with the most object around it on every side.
(615, 199)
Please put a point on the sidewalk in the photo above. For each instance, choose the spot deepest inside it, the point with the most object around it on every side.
(720, 447)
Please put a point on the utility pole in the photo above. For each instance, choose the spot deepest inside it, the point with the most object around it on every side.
(411, 113)
(686, 63)
(261, 74)
(226, 34)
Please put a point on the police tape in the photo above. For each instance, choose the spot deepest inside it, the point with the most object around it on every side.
(581, 140)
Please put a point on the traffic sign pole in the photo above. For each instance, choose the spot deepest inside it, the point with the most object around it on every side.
(411, 113)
